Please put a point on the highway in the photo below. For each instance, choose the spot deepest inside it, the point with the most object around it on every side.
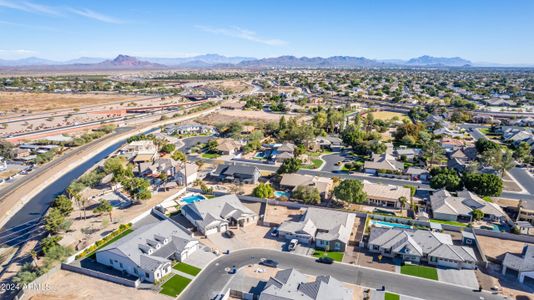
(213, 278)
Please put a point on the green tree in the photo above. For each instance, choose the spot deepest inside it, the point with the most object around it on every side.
(63, 204)
(482, 145)
(308, 194)
(263, 190)
(523, 153)
(211, 146)
(179, 156)
(500, 160)
(483, 184)
(433, 153)
(48, 242)
(290, 165)
(445, 178)
(403, 201)
(138, 188)
(477, 214)
(168, 148)
(350, 190)
(104, 207)
(6, 149)
(54, 221)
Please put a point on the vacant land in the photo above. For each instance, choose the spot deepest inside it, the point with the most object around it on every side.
(70, 285)
(495, 248)
(227, 116)
(232, 86)
(10, 101)
(420, 271)
(388, 115)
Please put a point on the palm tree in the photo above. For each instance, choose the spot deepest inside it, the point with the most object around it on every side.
(105, 207)
(33, 253)
(402, 201)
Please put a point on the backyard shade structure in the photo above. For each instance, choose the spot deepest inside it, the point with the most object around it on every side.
(217, 214)
(148, 251)
(291, 284)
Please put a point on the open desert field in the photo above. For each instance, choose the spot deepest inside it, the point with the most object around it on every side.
(47, 101)
(232, 86)
(226, 116)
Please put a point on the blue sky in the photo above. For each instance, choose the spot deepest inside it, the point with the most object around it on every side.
(479, 30)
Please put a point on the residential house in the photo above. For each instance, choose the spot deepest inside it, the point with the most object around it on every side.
(237, 173)
(465, 154)
(21, 154)
(459, 208)
(217, 214)
(162, 165)
(148, 251)
(326, 229)
(283, 152)
(526, 212)
(522, 264)
(421, 246)
(408, 153)
(189, 129)
(499, 102)
(291, 284)
(144, 151)
(385, 194)
(332, 143)
(228, 146)
(417, 173)
(516, 137)
(445, 131)
(323, 184)
(383, 163)
(190, 170)
(450, 144)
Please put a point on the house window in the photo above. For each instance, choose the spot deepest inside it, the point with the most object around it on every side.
(120, 264)
(147, 275)
(111, 261)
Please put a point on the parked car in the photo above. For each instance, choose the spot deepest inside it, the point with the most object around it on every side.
(269, 263)
(274, 231)
(325, 260)
(292, 244)
(229, 234)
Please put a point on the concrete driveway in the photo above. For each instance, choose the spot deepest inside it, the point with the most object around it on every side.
(201, 258)
(465, 278)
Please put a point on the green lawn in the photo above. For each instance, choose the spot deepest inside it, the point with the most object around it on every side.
(335, 255)
(316, 163)
(210, 155)
(391, 296)
(420, 271)
(453, 223)
(189, 269)
(119, 236)
(174, 286)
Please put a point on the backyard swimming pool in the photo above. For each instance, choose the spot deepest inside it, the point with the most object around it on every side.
(389, 224)
(279, 194)
(192, 199)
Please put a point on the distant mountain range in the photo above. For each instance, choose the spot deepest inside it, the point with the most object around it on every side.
(219, 61)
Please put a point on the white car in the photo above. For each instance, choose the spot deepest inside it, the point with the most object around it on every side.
(292, 244)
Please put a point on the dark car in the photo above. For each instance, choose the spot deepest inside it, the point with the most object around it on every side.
(325, 260)
(229, 234)
(269, 263)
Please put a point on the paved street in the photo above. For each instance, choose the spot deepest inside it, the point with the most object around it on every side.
(218, 278)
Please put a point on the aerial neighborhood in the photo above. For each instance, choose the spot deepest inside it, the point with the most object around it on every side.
(374, 173)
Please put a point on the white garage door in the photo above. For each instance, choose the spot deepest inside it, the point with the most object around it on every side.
(211, 231)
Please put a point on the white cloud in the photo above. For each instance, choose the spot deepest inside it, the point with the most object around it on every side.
(244, 34)
(95, 15)
(35, 8)
(29, 7)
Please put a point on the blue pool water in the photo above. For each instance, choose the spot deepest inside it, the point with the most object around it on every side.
(390, 225)
(279, 194)
(193, 198)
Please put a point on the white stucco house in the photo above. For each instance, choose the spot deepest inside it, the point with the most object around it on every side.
(217, 214)
(522, 265)
(148, 252)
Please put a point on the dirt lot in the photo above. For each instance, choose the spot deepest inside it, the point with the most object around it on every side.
(496, 248)
(48, 101)
(276, 214)
(69, 285)
(232, 86)
(226, 116)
